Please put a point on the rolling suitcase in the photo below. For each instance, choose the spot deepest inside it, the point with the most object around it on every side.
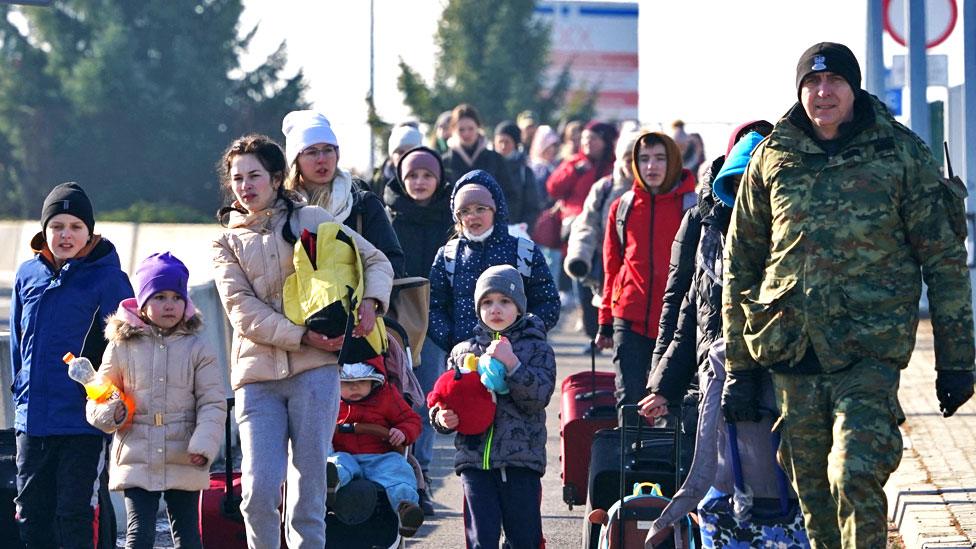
(626, 456)
(103, 525)
(587, 405)
(221, 522)
(9, 532)
(628, 520)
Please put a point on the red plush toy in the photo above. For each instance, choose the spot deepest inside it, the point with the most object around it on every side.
(461, 390)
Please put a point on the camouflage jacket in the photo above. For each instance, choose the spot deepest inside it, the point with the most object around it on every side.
(830, 251)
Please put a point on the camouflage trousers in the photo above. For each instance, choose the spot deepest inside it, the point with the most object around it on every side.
(839, 443)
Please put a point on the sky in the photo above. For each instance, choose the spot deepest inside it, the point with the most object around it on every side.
(712, 63)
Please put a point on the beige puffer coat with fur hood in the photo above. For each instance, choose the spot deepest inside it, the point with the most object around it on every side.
(178, 391)
(251, 262)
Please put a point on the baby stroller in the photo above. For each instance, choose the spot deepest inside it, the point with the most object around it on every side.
(362, 516)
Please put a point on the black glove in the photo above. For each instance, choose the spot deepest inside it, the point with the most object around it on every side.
(740, 395)
(953, 388)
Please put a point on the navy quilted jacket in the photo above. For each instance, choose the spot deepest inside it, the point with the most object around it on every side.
(517, 438)
(452, 310)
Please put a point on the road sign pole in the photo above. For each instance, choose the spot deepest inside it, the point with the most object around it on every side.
(916, 72)
(969, 98)
(875, 50)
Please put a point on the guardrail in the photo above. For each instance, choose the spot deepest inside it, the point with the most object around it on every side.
(216, 330)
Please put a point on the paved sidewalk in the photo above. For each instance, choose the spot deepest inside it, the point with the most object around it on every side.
(932, 495)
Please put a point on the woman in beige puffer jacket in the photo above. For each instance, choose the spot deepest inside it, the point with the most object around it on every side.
(285, 377)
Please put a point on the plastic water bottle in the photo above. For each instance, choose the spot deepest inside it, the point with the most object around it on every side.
(97, 388)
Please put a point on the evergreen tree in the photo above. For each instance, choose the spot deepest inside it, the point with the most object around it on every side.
(134, 100)
(494, 56)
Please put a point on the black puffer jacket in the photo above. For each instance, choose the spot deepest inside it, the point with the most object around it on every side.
(369, 218)
(421, 229)
(700, 311)
(682, 265)
(522, 193)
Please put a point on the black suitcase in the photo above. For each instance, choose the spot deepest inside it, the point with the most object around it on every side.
(9, 531)
(650, 457)
(9, 535)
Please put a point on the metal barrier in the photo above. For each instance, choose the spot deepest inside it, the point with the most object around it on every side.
(216, 330)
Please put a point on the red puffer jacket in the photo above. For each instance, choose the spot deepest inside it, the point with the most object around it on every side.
(635, 280)
(572, 180)
(384, 406)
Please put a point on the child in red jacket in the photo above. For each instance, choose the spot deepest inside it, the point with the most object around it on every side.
(368, 399)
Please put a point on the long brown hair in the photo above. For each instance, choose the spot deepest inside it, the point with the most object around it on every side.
(271, 158)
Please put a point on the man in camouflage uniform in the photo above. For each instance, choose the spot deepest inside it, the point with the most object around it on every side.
(840, 211)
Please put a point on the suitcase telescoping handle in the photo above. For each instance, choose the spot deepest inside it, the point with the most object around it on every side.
(231, 504)
(628, 411)
(593, 393)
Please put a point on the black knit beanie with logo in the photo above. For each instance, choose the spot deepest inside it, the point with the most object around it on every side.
(68, 198)
(829, 57)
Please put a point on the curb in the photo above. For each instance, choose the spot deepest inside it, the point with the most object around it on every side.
(920, 510)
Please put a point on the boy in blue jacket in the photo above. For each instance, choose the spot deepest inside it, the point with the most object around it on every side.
(60, 300)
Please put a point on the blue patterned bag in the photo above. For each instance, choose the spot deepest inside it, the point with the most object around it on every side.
(756, 522)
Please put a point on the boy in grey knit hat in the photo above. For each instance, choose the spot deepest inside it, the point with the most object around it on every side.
(501, 468)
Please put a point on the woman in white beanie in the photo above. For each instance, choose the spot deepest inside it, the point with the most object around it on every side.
(312, 152)
(403, 137)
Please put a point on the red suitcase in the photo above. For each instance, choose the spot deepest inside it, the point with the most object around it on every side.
(221, 522)
(587, 405)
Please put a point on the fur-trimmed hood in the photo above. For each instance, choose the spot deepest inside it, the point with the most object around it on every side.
(126, 323)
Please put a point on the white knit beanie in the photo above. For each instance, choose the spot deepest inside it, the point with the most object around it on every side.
(404, 137)
(303, 129)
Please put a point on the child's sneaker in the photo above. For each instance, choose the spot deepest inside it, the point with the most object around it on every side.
(331, 483)
(411, 517)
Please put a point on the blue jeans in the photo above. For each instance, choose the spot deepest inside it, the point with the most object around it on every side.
(433, 361)
(389, 470)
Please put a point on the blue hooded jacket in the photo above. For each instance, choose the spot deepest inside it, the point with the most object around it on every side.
(452, 309)
(51, 313)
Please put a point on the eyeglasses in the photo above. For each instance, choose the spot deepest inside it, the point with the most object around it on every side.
(477, 210)
(313, 153)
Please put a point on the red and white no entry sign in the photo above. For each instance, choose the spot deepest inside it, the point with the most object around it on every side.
(940, 19)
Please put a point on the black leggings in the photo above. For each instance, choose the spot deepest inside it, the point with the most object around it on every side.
(141, 507)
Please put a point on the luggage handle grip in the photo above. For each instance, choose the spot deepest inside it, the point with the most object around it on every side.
(593, 395)
(231, 504)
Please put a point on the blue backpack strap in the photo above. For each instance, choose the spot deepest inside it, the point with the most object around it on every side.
(450, 258)
(526, 248)
(623, 210)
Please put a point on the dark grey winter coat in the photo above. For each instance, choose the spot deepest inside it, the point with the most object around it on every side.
(518, 436)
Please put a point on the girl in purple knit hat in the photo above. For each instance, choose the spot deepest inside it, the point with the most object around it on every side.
(158, 356)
